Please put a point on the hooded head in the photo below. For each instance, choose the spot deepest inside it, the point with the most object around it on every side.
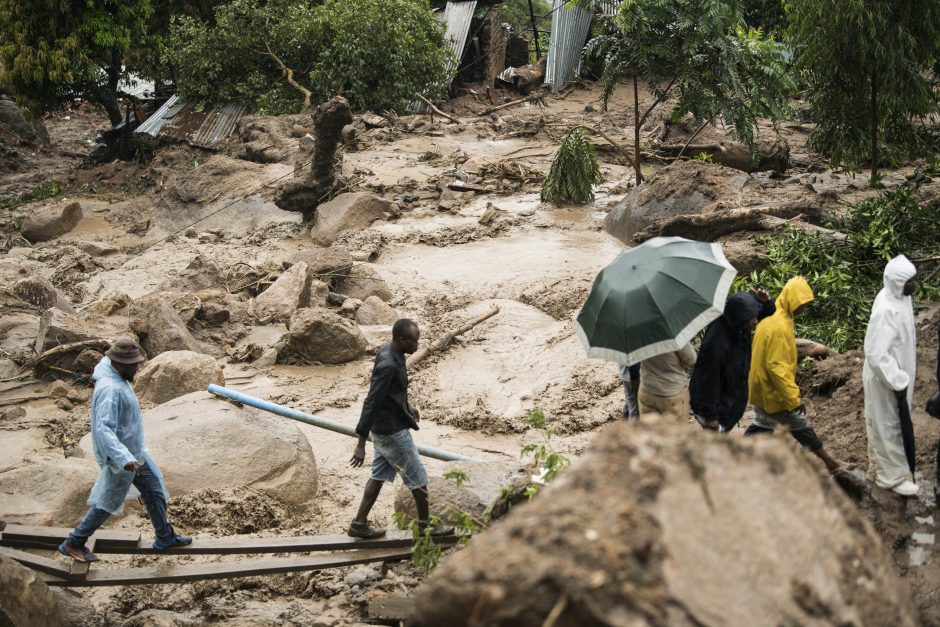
(740, 309)
(898, 272)
(794, 295)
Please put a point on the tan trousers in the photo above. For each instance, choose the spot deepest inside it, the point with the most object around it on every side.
(675, 406)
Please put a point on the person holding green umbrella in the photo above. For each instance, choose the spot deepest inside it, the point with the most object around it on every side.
(648, 304)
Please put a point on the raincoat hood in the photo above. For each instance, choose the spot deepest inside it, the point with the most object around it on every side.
(794, 294)
(740, 308)
(898, 272)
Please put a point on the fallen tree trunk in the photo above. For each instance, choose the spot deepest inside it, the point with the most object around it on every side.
(444, 341)
(773, 223)
(707, 227)
(65, 348)
(436, 110)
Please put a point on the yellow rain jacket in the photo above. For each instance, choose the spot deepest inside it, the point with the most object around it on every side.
(772, 380)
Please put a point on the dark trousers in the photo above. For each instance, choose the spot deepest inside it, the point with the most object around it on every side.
(148, 485)
(805, 436)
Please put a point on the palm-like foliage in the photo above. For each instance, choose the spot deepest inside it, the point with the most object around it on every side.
(574, 171)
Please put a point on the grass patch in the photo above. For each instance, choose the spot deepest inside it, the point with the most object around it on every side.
(49, 189)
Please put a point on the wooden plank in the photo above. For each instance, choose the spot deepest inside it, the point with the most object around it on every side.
(227, 570)
(390, 607)
(42, 564)
(53, 536)
(286, 544)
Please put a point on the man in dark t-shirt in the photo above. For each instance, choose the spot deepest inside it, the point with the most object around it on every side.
(389, 417)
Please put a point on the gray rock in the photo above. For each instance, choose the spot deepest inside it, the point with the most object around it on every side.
(172, 374)
(95, 249)
(293, 290)
(24, 598)
(364, 281)
(320, 335)
(349, 307)
(352, 210)
(362, 575)
(50, 222)
(86, 361)
(202, 443)
(38, 290)
(329, 264)
(214, 314)
(445, 500)
(161, 328)
(375, 311)
(12, 118)
(57, 327)
(200, 274)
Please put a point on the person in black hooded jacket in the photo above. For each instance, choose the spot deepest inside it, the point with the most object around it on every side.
(718, 386)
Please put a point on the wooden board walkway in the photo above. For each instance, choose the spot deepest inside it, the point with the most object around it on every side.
(15, 540)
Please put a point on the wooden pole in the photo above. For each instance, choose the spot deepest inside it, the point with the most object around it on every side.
(444, 341)
(436, 110)
(535, 32)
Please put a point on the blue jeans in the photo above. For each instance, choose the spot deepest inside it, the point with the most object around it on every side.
(149, 487)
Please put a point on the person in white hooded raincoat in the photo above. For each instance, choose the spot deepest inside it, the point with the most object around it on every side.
(117, 437)
(890, 360)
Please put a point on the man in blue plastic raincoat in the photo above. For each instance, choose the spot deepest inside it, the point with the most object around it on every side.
(890, 364)
(117, 436)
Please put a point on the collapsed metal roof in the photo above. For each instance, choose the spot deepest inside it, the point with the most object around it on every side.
(570, 28)
(180, 120)
(457, 17)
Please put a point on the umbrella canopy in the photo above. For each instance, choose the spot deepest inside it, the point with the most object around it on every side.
(653, 299)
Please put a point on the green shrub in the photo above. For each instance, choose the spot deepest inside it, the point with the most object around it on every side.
(574, 171)
(846, 276)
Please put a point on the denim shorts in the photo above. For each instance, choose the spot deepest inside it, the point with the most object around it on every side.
(397, 453)
(791, 420)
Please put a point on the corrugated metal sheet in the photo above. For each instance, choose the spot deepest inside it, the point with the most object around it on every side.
(457, 17)
(609, 7)
(178, 119)
(570, 28)
(137, 87)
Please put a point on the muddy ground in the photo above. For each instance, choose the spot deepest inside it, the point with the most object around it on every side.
(443, 267)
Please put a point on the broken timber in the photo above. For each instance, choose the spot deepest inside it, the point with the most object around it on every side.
(15, 538)
(444, 341)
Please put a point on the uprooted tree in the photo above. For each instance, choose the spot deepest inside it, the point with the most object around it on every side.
(282, 56)
(701, 53)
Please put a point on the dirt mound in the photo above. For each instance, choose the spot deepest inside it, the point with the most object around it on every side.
(692, 526)
(229, 511)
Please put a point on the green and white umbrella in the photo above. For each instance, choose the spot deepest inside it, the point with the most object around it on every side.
(653, 299)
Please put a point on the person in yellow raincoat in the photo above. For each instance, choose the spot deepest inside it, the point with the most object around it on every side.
(772, 386)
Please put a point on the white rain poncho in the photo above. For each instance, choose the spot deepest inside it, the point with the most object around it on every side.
(117, 437)
(890, 360)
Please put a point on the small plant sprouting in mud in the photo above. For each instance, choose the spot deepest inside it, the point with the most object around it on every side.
(574, 171)
(49, 189)
(457, 475)
(549, 462)
(425, 554)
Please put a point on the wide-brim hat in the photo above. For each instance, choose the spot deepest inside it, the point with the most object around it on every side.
(125, 350)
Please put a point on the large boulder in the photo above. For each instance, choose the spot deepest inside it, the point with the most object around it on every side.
(200, 274)
(57, 327)
(161, 329)
(12, 119)
(175, 373)
(25, 599)
(663, 525)
(363, 281)
(185, 304)
(352, 210)
(445, 500)
(201, 442)
(293, 290)
(375, 311)
(329, 264)
(50, 222)
(689, 187)
(38, 290)
(46, 490)
(321, 335)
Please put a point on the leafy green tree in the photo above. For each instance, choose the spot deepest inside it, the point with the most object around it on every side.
(767, 15)
(865, 63)
(53, 51)
(283, 55)
(700, 52)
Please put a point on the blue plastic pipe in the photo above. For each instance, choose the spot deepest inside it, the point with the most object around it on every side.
(323, 423)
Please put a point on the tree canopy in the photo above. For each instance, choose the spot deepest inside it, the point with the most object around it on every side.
(282, 55)
(865, 66)
(701, 52)
(52, 52)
